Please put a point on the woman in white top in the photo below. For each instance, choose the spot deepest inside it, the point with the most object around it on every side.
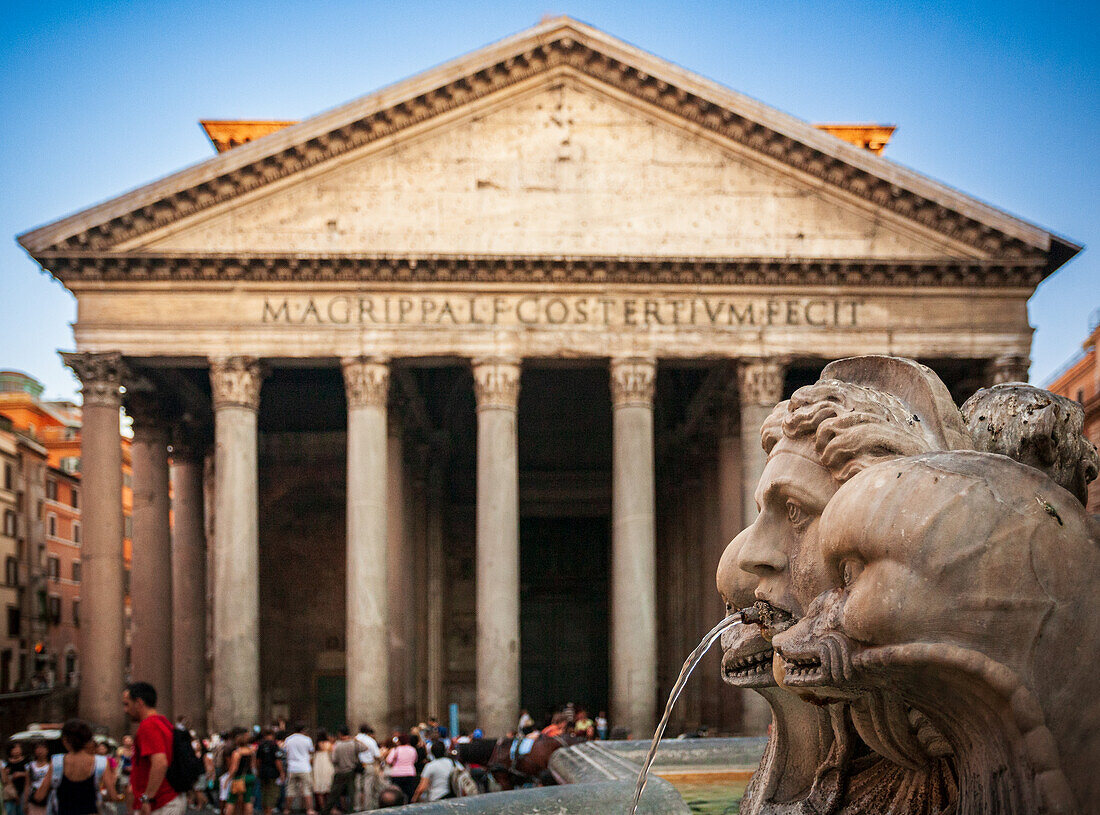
(323, 771)
(38, 791)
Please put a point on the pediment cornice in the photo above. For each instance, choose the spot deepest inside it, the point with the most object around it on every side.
(76, 269)
(570, 46)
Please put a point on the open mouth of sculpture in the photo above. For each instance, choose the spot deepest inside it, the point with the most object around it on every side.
(802, 670)
(749, 669)
(774, 620)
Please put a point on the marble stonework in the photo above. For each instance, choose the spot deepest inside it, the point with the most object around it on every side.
(912, 594)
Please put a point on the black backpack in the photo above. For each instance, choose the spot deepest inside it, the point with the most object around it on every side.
(185, 767)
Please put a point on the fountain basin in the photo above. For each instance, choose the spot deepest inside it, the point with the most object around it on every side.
(599, 777)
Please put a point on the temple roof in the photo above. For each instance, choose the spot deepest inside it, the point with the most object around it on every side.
(565, 46)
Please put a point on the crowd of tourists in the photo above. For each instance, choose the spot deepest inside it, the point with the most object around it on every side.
(276, 770)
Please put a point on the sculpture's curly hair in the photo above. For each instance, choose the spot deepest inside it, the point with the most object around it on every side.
(853, 426)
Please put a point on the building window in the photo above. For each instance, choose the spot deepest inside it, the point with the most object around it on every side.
(74, 498)
(53, 568)
(71, 464)
(127, 527)
(76, 571)
(54, 609)
(9, 523)
(127, 480)
(15, 620)
(9, 476)
(51, 489)
(1081, 395)
(11, 571)
(70, 669)
(76, 613)
(51, 525)
(76, 532)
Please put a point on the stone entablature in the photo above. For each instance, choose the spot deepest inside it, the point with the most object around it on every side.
(334, 320)
(78, 269)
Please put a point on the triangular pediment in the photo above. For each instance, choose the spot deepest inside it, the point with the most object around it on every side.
(559, 167)
(559, 140)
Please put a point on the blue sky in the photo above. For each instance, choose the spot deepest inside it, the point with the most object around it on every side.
(998, 99)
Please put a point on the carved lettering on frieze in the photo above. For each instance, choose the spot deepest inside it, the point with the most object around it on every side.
(100, 377)
(615, 311)
(235, 382)
(366, 381)
(496, 383)
(633, 381)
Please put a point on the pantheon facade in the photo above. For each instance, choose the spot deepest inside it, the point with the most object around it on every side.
(458, 386)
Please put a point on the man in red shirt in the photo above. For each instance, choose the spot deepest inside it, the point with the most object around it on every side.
(152, 754)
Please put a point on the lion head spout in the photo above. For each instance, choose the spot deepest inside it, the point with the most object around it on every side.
(964, 596)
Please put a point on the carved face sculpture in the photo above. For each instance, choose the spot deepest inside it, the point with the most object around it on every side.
(779, 549)
(825, 434)
(821, 437)
(964, 586)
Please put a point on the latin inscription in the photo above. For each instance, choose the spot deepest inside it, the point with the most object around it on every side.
(385, 310)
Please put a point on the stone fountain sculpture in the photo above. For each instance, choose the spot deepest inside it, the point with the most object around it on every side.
(933, 608)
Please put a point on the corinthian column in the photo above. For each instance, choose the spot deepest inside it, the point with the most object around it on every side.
(496, 386)
(188, 580)
(367, 382)
(102, 635)
(761, 388)
(151, 565)
(633, 547)
(235, 383)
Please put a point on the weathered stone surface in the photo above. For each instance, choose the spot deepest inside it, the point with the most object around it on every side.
(861, 411)
(937, 624)
(562, 163)
(1035, 427)
(919, 600)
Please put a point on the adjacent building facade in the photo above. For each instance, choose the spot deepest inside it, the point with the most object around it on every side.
(11, 553)
(43, 573)
(1080, 381)
(463, 381)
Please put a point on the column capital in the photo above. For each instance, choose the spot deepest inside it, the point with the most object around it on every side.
(1009, 368)
(366, 381)
(235, 382)
(100, 376)
(496, 382)
(633, 381)
(761, 381)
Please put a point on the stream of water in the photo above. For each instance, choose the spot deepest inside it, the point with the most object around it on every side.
(736, 618)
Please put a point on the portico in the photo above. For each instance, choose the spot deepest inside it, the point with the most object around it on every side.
(548, 290)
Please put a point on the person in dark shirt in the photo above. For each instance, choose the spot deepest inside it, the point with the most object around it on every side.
(80, 772)
(17, 776)
(271, 769)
